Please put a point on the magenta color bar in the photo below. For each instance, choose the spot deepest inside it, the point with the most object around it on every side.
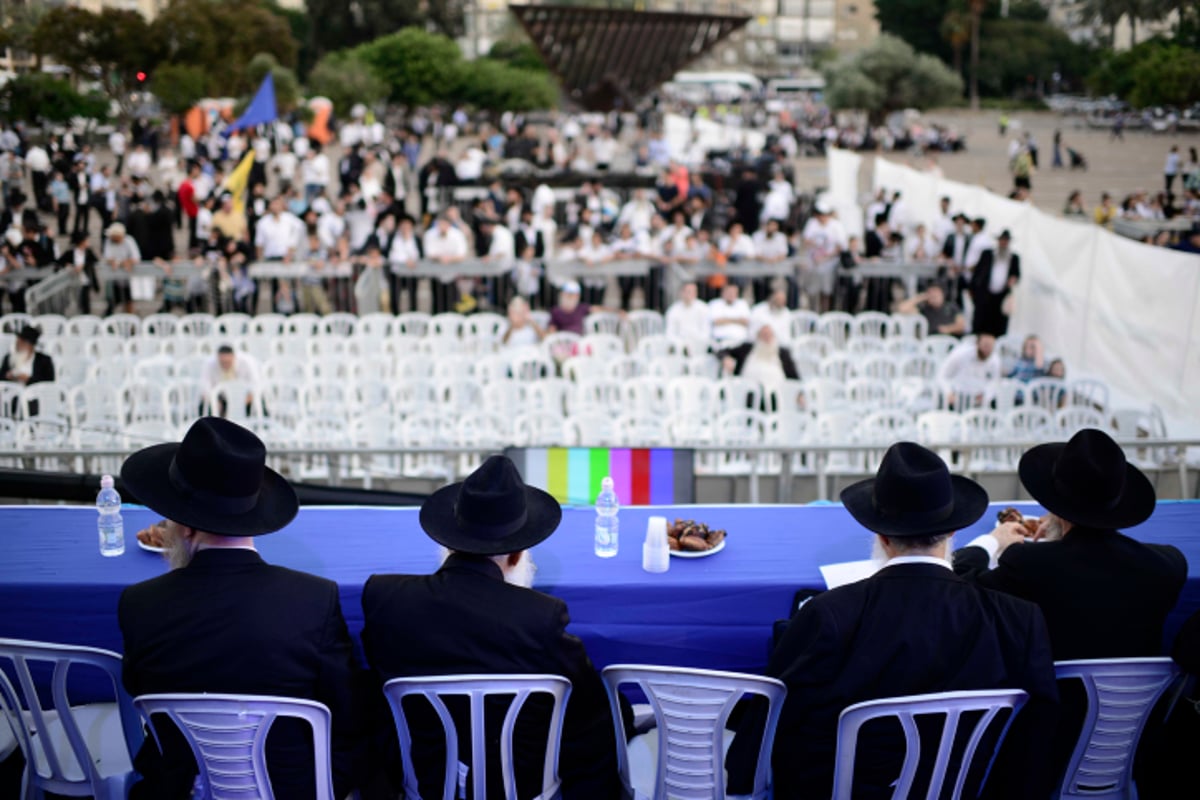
(620, 469)
(662, 477)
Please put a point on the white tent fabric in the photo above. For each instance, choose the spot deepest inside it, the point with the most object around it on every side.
(1113, 308)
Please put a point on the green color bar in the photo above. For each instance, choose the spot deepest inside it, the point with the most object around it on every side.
(599, 471)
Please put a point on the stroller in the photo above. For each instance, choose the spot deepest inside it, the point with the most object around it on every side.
(1076, 159)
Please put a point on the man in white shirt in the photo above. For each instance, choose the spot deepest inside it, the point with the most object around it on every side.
(38, 162)
(445, 245)
(116, 143)
(975, 367)
(331, 230)
(314, 173)
(284, 166)
(604, 149)
(770, 243)
(637, 213)
(980, 243)
(228, 366)
(501, 247)
(943, 226)
(275, 235)
(689, 318)
(139, 161)
(777, 204)
(730, 316)
(736, 245)
(825, 239)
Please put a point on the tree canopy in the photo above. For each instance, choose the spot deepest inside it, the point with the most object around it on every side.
(890, 76)
(339, 26)
(346, 80)
(178, 87)
(38, 96)
(419, 68)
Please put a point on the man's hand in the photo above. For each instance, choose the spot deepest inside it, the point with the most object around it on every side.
(1008, 533)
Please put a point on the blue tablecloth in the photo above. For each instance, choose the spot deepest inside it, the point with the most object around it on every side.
(713, 612)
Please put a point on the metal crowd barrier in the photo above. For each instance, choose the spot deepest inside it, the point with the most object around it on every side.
(1163, 453)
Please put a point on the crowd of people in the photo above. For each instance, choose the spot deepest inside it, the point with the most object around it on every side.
(1008, 608)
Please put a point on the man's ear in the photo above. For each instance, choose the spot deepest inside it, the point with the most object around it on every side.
(515, 558)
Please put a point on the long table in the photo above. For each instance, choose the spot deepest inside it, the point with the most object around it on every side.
(715, 612)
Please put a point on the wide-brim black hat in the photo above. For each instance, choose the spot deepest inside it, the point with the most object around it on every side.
(1088, 482)
(29, 334)
(914, 494)
(490, 513)
(216, 480)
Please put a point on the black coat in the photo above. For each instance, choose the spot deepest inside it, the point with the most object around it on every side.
(464, 619)
(1104, 595)
(67, 261)
(42, 370)
(231, 623)
(912, 628)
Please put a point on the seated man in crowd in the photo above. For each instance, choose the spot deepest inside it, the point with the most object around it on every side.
(568, 315)
(1104, 594)
(489, 620)
(224, 621)
(229, 366)
(762, 359)
(689, 318)
(912, 628)
(25, 365)
(976, 366)
(773, 311)
(943, 316)
(730, 316)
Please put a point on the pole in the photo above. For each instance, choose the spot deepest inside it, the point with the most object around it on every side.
(976, 13)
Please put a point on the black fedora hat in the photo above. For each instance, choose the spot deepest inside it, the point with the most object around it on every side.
(29, 334)
(491, 513)
(914, 494)
(215, 480)
(1088, 482)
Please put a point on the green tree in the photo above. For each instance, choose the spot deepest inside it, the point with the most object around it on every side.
(419, 68)
(496, 86)
(346, 81)
(1020, 55)
(37, 96)
(341, 26)
(221, 37)
(890, 76)
(520, 54)
(917, 22)
(178, 87)
(1166, 75)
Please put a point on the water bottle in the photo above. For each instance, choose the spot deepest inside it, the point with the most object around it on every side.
(607, 506)
(111, 527)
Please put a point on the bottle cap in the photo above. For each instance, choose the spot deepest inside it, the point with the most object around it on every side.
(106, 481)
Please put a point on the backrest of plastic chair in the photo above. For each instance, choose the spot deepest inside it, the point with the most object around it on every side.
(477, 688)
(1121, 692)
(67, 769)
(906, 709)
(691, 707)
(228, 735)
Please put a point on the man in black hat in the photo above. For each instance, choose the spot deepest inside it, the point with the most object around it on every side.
(479, 615)
(1104, 594)
(223, 620)
(912, 628)
(25, 364)
(995, 277)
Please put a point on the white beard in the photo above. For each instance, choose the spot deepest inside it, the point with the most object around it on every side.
(20, 363)
(878, 554)
(520, 575)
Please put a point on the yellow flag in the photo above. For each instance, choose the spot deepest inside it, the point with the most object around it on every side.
(238, 181)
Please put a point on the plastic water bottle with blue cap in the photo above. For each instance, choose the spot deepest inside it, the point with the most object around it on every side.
(110, 526)
(607, 506)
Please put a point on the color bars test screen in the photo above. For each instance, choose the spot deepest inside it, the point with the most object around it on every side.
(641, 477)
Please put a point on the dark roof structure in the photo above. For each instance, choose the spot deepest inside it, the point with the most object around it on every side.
(609, 57)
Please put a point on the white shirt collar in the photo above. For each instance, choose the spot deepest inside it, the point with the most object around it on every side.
(941, 562)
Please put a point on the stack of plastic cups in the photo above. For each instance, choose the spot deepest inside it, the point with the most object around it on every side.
(656, 555)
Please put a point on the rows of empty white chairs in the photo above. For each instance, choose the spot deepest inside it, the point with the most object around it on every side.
(653, 765)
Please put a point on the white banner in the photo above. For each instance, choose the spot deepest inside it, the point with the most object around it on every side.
(1112, 308)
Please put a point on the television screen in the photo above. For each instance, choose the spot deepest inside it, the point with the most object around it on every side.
(641, 476)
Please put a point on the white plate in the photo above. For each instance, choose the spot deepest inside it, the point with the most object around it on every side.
(150, 548)
(700, 553)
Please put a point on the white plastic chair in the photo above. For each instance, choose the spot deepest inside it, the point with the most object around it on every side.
(814, 346)
(478, 689)
(939, 345)
(228, 734)
(78, 751)
(1048, 394)
(601, 345)
(644, 397)
(124, 325)
(1090, 394)
(104, 346)
(872, 324)
(803, 323)
(269, 324)
(642, 323)
(822, 394)
(203, 326)
(839, 367)
(160, 369)
(741, 428)
(654, 347)
(1121, 693)
(426, 430)
(10, 399)
(412, 324)
(530, 364)
(186, 401)
(84, 326)
(537, 430)
(868, 394)
(560, 346)
(908, 326)
(52, 326)
(838, 427)
(692, 398)
(596, 428)
(863, 348)
(640, 432)
(1071, 420)
(942, 427)
(602, 322)
(691, 706)
(378, 325)
(234, 393)
(160, 326)
(838, 326)
(952, 705)
(234, 325)
(307, 325)
(51, 400)
(982, 426)
(879, 367)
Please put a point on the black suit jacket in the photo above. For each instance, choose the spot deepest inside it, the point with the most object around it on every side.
(913, 628)
(464, 619)
(982, 275)
(1104, 595)
(67, 261)
(231, 623)
(41, 371)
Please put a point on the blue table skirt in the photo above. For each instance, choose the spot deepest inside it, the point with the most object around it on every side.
(714, 612)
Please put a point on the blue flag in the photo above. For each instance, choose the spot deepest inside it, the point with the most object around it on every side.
(261, 109)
